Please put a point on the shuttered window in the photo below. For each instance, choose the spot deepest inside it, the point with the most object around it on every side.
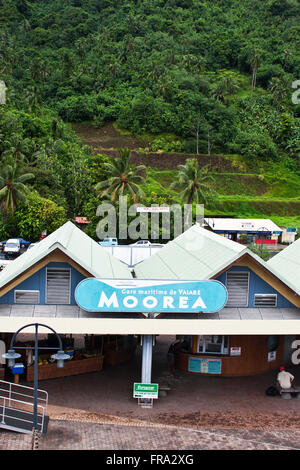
(58, 286)
(29, 297)
(237, 283)
(265, 300)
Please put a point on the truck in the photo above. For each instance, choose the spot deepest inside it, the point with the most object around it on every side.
(15, 246)
(109, 242)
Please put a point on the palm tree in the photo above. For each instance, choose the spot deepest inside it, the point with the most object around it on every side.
(17, 147)
(121, 178)
(13, 187)
(193, 182)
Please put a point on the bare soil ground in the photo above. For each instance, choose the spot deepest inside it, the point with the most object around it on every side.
(107, 140)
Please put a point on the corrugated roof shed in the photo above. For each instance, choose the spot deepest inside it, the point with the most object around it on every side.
(240, 225)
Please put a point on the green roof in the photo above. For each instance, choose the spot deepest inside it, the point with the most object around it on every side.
(195, 254)
(76, 245)
(287, 264)
(198, 254)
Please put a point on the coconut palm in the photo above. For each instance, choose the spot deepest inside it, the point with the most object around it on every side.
(16, 147)
(193, 182)
(121, 178)
(13, 187)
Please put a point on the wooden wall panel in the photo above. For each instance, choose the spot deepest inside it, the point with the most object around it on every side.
(253, 359)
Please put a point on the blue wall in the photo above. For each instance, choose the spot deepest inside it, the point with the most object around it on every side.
(257, 286)
(38, 282)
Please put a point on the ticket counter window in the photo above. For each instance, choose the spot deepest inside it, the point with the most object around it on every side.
(213, 344)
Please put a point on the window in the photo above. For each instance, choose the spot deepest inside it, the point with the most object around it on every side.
(58, 282)
(213, 344)
(265, 300)
(237, 283)
(29, 297)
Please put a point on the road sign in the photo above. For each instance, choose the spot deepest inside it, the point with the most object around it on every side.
(156, 296)
(145, 390)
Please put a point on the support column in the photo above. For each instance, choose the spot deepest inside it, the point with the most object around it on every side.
(147, 344)
(147, 358)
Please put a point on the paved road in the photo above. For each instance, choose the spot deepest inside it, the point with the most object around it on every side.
(70, 435)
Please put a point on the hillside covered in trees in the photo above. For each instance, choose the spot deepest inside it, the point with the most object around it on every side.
(186, 77)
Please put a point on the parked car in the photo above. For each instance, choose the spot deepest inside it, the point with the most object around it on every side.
(109, 242)
(141, 243)
(32, 245)
(15, 246)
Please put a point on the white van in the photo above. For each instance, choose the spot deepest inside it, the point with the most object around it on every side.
(12, 246)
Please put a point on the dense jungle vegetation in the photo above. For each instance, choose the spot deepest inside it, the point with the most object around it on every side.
(185, 76)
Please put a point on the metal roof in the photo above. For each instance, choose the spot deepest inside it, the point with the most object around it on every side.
(195, 254)
(76, 245)
(242, 225)
(200, 254)
(287, 264)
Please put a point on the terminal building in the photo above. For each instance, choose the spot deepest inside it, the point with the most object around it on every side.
(252, 334)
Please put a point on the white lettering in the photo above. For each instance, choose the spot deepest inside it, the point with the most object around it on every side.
(183, 302)
(150, 302)
(2, 351)
(168, 302)
(199, 303)
(130, 301)
(296, 354)
(296, 94)
(105, 301)
(119, 460)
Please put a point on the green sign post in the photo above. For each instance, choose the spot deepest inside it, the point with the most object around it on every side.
(145, 390)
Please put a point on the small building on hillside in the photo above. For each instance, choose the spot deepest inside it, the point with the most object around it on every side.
(245, 231)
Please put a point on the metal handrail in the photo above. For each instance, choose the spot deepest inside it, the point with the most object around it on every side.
(10, 391)
(29, 402)
(5, 399)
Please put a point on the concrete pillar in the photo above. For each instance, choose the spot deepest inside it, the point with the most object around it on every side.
(147, 344)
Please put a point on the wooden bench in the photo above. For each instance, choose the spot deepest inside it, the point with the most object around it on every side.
(286, 393)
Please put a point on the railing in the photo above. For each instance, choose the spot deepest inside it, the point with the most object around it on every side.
(12, 397)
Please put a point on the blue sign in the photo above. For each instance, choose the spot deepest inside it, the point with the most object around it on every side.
(157, 296)
(205, 366)
(18, 368)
